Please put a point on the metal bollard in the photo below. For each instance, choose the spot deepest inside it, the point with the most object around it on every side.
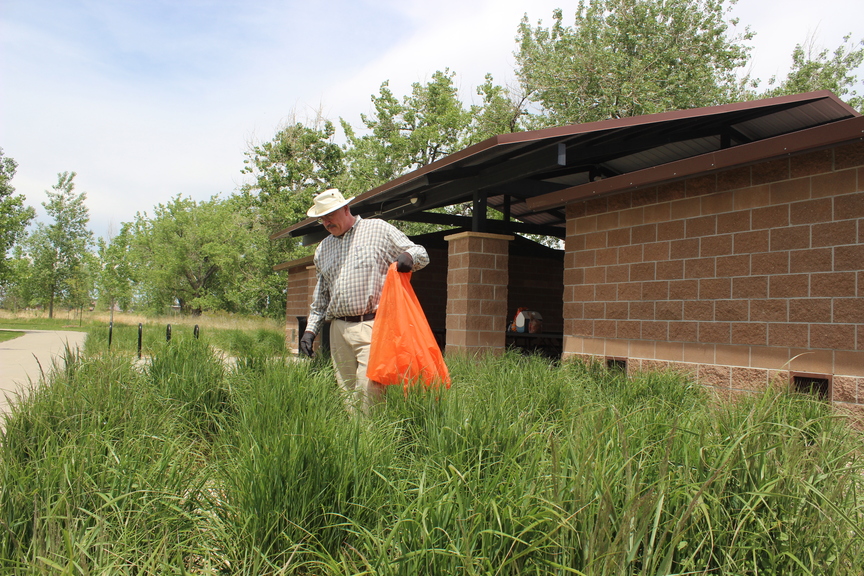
(168, 333)
(195, 332)
(140, 332)
(110, 331)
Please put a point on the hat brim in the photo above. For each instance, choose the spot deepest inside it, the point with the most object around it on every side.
(313, 213)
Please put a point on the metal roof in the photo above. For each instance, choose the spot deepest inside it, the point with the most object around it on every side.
(530, 176)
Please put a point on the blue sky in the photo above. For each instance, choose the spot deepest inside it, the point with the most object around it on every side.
(147, 99)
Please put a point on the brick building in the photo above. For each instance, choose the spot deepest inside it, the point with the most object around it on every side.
(727, 242)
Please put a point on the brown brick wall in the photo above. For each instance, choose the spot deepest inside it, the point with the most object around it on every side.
(754, 268)
(477, 279)
(300, 274)
(430, 286)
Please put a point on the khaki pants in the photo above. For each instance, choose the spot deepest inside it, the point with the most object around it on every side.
(349, 348)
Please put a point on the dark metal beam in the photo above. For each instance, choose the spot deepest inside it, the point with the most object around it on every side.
(494, 226)
(635, 140)
(520, 168)
(524, 188)
(452, 174)
(478, 211)
(313, 237)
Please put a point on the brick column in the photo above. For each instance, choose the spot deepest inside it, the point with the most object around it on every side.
(477, 292)
(298, 297)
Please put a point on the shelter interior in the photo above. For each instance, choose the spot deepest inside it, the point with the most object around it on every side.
(535, 282)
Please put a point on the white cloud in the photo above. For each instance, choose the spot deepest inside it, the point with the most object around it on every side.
(780, 27)
(148, 99)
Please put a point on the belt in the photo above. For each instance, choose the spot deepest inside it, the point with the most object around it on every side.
(361, 318)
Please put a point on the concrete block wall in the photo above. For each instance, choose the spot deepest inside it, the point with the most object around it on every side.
(477, 279)
(300, 276)
(741, 277)
(430, 286)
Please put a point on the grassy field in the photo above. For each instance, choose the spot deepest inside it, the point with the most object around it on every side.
(233, 335)
(70, 320)
(183, 465)
(9, 335)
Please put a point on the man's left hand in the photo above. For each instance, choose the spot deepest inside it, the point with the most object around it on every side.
(404, 263)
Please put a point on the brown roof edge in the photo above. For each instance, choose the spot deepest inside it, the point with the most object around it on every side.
(307, 260)
(423, 170)
(405, 179)
(575, 129)
(819, 137)
(572, 129)
(287, 231)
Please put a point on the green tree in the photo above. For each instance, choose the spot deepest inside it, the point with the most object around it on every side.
(115, 272)
(630, 57)
(193, 254)
(502, 110)
(813, 69)
(14, 217)
(301, 160)
(18, 293)
(60, 251)
(423, 127)
(256, 288)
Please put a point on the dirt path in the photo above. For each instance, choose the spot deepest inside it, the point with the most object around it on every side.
(21, 358)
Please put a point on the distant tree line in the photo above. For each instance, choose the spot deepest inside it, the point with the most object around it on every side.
(616, 58)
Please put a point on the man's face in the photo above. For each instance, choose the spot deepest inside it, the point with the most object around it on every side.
(338, 222)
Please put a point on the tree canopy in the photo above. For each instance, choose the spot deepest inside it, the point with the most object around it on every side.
(300, 160)
(190, 253)
(14, 216)
(607, 59)
(630, 57)
(60, 251)
(814, 69)
(401, 135)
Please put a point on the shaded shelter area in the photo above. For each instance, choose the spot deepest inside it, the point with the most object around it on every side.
(534, 282)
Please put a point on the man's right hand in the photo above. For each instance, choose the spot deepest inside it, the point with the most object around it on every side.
(306, 344)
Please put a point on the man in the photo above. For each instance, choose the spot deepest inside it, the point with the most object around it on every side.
(351, 265)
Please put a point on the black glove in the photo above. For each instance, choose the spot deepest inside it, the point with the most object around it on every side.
(404, 263)
(306, 344)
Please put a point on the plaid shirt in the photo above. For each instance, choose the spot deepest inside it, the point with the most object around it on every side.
(351, 269)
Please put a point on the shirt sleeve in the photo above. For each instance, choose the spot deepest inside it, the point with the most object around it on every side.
(403, 244)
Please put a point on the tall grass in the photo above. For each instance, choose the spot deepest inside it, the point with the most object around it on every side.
(234, 342)
(96, 476)
(183, 465)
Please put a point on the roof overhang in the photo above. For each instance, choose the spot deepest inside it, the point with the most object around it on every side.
(530, 176)
(763, 150)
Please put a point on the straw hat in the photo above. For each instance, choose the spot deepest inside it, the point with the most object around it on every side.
(327, 202)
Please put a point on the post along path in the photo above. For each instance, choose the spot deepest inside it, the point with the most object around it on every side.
(21, 358)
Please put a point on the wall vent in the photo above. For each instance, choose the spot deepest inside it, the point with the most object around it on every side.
(619, 364)
(818, 385)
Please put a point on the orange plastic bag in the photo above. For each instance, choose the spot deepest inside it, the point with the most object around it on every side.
(404, 350)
